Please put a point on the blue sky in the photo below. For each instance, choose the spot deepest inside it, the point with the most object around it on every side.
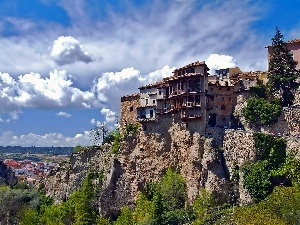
(65, 64)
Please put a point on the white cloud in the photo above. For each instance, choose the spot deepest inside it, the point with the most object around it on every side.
(50, 139)
(33, 91)
(64, 114)
(216, 61)
(110, 116)
(67, 50)
(93, 121)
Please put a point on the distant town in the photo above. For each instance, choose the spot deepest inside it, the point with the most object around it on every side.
(31, 164)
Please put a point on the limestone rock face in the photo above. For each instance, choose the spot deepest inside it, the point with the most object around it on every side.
(205, 161)
(60, 184)
(7, 175)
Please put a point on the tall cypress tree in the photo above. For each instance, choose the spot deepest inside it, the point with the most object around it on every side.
(282, 70)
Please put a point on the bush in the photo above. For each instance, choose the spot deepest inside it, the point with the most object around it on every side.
(261, 112)
(257, 179)
(271, 148)
(131, 128)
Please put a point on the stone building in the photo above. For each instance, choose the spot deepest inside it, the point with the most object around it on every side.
(190, 96)
(221, 101)
(129, 105)
(181, 94)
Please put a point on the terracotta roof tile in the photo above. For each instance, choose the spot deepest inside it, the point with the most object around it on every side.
(297, 40)
(197, 63)
(156, 84)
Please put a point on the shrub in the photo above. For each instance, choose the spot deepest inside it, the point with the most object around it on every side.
(261, 112)
(271, 148)
(131, 128)
(257, 179)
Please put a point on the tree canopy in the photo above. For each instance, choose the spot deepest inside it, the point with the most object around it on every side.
(282, 69)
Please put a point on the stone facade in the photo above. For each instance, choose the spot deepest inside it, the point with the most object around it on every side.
(129, 105)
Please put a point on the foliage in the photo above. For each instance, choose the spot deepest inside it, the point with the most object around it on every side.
(77, 210)
(116, 141)
(31, 217)
(271, 153)
(282, 69)
(98, 133)
(21, 185)
(259, 90)
(126, 217)
(144, 211)
(79, 148)
(257, 179)
(163, 203)
(235, 173)
(290, 170)
(102, 221)
(281, 207)
(14, 202)
(131, 128)
(261, 112)
(203, 204)
(271, 148)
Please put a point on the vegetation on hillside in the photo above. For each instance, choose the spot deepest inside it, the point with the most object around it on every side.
(264, 107)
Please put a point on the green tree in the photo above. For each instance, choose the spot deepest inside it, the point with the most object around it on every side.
(282, 70)
(257, 179)
(126, 217)
(261, 112)
(204, 202)
(98, 133)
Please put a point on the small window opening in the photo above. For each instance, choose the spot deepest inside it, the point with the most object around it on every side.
(131, 108)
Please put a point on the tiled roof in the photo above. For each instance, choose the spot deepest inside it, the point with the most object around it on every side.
(156, 84)
(184, 76)
(297, 40)
(197, 63)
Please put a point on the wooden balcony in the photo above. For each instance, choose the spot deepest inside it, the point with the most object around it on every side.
(191, 116)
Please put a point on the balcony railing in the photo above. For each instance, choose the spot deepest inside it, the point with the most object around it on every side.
(191, 115)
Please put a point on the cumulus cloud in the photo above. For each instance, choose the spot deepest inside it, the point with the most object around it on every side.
(64, 114)
(112, 85)
(33, 91)
(110, 116)
(58, 91)
(216, 61)
(67, 50)
(50, 139)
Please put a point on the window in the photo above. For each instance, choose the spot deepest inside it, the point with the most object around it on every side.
(131, 108)
(159, 93)
(153, 101)
(228, 89)
(212, 98)
(223, 107)
(212, 108)
(222, 99)
(211, 89)
(151, 113)
(146, 101)
(219, 88)
(229, 98)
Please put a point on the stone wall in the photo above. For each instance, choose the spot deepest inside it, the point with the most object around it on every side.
(129, 106)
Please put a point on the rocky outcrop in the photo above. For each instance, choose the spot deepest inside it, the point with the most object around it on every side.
(7, 175)
(205, 161)
(70, 176)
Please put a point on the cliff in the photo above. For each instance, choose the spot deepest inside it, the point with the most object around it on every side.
(7, 176)
(205, 161)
